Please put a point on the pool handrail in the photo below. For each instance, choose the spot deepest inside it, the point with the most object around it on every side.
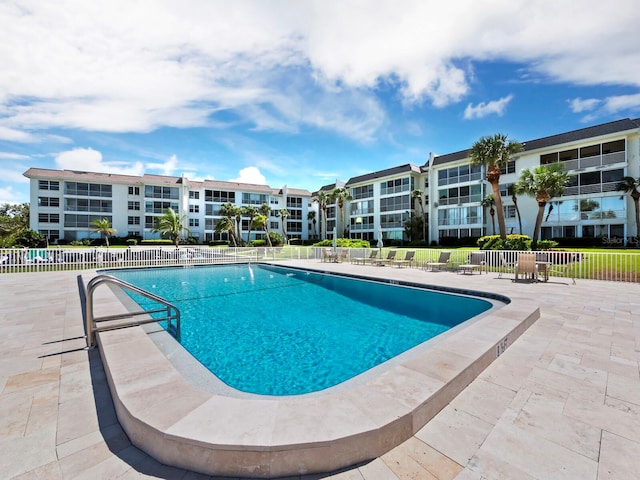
(172, 312)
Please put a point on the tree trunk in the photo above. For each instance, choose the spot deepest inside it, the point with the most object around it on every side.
(499, 211)
(515, 204)
(536, 229)
(636, 197)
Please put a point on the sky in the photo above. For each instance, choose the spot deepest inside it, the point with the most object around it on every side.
(299, 92)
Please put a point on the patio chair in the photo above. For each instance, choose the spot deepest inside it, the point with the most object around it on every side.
(526, 265)
(565, 269)
(407, 260)
(505, 265)
(363, 260)
(344, 254)
(476, 261)
(381, 261)
(328, 255)
(443, 261)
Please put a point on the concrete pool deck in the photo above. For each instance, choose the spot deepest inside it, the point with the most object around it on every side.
(562, 402)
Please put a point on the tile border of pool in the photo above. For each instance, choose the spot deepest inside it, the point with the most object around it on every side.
(181, 425)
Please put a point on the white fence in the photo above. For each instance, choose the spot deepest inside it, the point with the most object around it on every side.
(614, 266)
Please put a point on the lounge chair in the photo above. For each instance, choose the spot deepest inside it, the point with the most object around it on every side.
(407, 260)
(381, 261)
(526, 266)
(443, 261)
(363, 260)
(476, 261)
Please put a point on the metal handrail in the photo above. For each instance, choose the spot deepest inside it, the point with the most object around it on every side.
(172, 312)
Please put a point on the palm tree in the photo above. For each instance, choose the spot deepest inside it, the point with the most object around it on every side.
(630, 185)
(265, 211)
(311, 217)
(416, 196)
(494, 153)
(170, 224)
(226, 225)
(249, 211)
(322, 198)
(341, 195)
(228, 210)
(260, 221)
(541, 183)
(103, 227)
(514, 198)
(283, 213)
(490, 202)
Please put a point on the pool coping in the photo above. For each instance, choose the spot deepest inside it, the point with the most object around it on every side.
(181, 425)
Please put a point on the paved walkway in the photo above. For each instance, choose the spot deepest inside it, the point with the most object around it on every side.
(563, 402)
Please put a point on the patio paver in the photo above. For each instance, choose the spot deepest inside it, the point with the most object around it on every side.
(562, 402)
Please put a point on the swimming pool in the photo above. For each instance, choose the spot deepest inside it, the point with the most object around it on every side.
(278, 331)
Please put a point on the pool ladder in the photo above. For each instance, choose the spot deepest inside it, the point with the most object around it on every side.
(172, 314)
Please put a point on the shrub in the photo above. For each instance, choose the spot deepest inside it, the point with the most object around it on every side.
(512, 242)
(276, 238)
(156, 241)
(344, 243)
(258, 243)
(132, 241)
(546, 244)
(216, 243)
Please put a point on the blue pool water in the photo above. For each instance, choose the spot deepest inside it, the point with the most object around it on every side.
(277, 331)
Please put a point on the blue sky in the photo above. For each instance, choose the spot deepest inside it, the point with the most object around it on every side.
(299, 93)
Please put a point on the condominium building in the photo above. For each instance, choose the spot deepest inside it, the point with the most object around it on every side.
(447, 191)
(64, 203)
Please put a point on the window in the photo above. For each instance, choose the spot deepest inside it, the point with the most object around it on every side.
(509, 168)
(294, 227)
(48, 201)
(152, 191)
(255, 198)
(274, 226)
(294, 202)
(133, 220)
(194, 222)
(395, 203)
(396, 186)
(194, 195)
(135, 205)
(194, 208)
(159, 207)
(48, 218)
(219, 196)
(149, 222)
(50, 235)
(134, 190)
(363, 207)
(72, 220)
(48, 185)
(362, 192)
(462, 174)
(87, 189)
(87, 205)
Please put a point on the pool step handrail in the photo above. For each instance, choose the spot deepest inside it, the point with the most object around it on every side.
(172, 312)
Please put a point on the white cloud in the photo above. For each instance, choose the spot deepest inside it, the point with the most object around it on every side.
(7, 195)
(597, 107)
(166, 168)
(13, 156)
(621, 103)
(90, 160)
(74, 64)
(579, 105)
(494, 107)
(250, 175)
